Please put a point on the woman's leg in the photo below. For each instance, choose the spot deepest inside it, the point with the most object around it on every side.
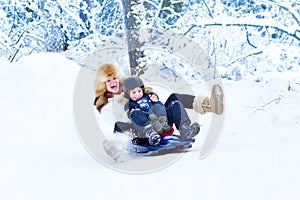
(121, 127)
(186, 100)
(201, 103)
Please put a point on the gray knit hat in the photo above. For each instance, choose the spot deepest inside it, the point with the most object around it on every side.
(131, 83)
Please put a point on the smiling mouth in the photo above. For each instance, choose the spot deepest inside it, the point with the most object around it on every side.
(113, 86)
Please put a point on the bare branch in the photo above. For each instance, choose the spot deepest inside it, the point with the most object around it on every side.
(261, 107)
(248, 39)
(193, 26)
(294, 14)
(244, 57)
(208, 10)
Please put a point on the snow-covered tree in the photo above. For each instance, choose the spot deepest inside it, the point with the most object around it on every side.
(45, 25)
(246, 36)
(241, 37)
(30, 26)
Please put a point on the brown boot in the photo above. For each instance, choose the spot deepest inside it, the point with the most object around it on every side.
(203, 104)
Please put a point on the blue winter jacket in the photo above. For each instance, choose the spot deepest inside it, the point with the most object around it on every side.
(143, 104)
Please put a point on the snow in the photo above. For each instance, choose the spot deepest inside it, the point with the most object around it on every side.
(42, 157)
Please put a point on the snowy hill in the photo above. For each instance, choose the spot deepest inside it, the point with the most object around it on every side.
(42, 157)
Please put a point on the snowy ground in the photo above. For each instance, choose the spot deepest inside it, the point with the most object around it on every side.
(42, 157)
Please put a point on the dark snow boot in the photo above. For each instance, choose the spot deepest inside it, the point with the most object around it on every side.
(188, 131)
(152, 135)
(195, 129)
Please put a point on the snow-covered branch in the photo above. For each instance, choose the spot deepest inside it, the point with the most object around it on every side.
(288, 8)
(291, 31)
(244, 57)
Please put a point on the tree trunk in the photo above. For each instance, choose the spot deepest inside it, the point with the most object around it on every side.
(133, 27)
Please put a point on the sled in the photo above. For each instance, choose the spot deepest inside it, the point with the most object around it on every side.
(168, 144)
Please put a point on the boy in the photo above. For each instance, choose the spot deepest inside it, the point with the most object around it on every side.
(147, 113)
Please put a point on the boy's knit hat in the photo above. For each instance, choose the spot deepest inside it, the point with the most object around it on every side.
(131, 83)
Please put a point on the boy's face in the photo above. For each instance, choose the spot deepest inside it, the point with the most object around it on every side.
(136, 93)
(112, 85)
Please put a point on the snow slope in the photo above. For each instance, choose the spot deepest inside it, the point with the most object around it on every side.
(42, 157)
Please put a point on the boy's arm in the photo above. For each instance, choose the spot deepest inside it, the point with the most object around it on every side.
(153, 97)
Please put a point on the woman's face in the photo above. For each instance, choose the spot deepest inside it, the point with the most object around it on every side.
(112, 85)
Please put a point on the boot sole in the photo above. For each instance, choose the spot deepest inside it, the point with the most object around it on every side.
(114, 151)
(217, 99)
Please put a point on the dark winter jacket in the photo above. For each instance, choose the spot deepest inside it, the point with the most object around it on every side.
(143, 104)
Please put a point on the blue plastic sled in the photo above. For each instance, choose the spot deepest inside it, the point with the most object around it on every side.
(167, 144)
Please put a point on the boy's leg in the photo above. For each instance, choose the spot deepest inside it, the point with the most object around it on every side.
(156, 123)
(142, 124)
(158, 109)
(161, 117)
(178, 116)
(139, 119)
